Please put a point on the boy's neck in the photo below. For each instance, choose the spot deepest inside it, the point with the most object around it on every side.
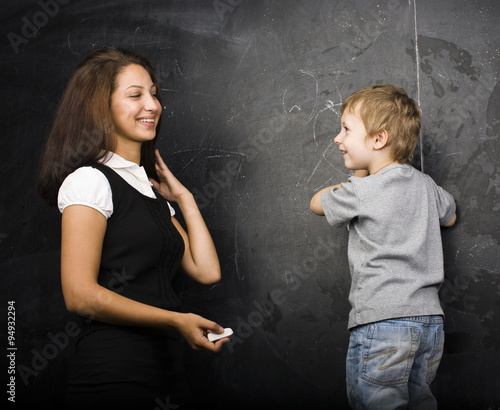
(381, 154)
(380, 163)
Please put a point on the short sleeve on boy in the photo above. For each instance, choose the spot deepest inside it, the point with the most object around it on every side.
(340, 205)
(395, 249)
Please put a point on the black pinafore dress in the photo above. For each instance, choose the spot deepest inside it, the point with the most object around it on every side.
(132, 367)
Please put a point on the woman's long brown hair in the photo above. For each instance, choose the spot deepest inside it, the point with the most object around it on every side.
(83, 130)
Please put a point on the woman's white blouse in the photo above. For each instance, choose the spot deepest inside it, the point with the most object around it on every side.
(88, 186)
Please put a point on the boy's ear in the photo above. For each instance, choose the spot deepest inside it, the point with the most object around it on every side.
(380, 140)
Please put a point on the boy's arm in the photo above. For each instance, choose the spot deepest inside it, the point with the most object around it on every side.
(452, 222)
(315, 204)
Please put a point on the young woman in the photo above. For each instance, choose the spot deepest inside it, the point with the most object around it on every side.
(121, 245)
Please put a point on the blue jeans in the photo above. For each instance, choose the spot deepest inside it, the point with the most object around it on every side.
(391, 364)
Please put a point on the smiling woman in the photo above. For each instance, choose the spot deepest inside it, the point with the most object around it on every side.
(84, 129)
(135, 110)
(112, 188)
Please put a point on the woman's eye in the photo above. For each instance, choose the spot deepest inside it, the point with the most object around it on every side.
(135, 96)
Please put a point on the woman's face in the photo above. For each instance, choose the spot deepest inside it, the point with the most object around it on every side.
(135, 110)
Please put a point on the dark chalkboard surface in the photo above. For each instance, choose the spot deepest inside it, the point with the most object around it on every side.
(252, 92)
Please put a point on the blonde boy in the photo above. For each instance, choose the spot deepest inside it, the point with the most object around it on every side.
(393, 213)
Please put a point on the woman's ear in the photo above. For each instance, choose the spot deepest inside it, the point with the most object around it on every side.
(381, 139)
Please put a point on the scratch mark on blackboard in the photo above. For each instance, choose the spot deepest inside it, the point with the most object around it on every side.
(314, 170)
(135, 33)
(334, 107)
(417, 62)
(316, 95)
(298, 106)
(204, 54)
(371, 43)
(178, 68)
(197, 152)
(226, 154)
(283, 101)
(69, 46)
(329, 106)
(324, 158)
(170, 90)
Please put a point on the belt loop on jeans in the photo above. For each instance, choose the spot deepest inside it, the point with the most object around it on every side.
(430, 319)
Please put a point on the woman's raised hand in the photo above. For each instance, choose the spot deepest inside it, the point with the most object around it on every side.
(169, 186)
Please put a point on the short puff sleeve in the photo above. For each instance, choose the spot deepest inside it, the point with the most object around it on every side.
(86, 186)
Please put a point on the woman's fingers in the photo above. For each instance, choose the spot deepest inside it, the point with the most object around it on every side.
(159, 160)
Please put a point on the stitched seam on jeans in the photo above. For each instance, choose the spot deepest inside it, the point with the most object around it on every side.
(437, 344)
(390, 353)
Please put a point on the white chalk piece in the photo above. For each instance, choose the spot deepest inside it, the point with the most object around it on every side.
(216, 336)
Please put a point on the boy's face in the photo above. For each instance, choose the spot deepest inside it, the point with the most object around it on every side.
(354, 142)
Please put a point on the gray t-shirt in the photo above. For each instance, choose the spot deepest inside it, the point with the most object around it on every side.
(395, 249)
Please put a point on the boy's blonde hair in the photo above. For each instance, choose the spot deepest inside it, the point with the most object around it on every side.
(387, 107)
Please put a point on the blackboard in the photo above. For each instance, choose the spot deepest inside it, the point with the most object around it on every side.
(252, 92)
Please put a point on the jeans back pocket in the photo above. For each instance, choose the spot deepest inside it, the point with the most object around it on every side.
(388, 353)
